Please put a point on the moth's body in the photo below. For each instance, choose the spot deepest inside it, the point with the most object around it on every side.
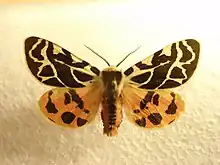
(112, 84)
(141, 89)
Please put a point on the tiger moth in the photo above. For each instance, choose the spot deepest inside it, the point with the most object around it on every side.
(141, 90)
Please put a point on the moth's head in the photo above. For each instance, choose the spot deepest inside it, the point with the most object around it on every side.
(112, 76)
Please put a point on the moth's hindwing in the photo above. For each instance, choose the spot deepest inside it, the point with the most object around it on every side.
(70, 107)
(152, 109)
(167, 68)
(55, 66)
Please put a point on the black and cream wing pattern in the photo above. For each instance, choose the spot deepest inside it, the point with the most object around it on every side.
(53, 65)
(75, 101)
(147, 101)
(169, 67)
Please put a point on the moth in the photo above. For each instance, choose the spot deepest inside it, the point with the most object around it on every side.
(142, 90)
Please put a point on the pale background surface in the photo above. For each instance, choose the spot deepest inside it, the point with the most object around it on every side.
(113, 29)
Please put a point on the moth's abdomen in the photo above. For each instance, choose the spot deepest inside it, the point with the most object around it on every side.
(111, 115)
(111, 104)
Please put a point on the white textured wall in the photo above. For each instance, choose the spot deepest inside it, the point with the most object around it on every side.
(112, 29)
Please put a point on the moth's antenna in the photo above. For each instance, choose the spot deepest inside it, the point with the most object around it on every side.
(128, 55)
(97, 54)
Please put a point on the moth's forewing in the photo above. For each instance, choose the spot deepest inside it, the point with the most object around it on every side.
(169, 67)
(55, 66)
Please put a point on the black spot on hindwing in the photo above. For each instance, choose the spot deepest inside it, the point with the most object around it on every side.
(51, 108)
(149, 96)
(143, 104)
(68, 117)
(81, 122)
(67, 99)
(172, 107)
(156, 99)
(155, 118)
(147, 99)
(141, 122)
(76, 98)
